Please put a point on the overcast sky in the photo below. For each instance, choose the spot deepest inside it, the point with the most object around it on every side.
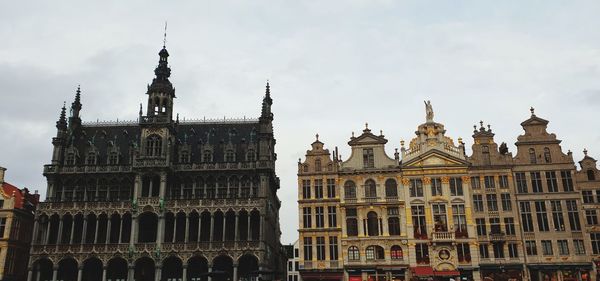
(333, 65)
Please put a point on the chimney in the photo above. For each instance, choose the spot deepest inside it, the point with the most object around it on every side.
(2, 170)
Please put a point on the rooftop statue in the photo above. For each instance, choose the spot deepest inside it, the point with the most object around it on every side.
(428, 111)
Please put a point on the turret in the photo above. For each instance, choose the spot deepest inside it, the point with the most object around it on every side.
(74, 119)
(161, 92)
(266, 140)
(61, 136)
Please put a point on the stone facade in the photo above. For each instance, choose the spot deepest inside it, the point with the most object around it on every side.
(160, 198)
(434, 212)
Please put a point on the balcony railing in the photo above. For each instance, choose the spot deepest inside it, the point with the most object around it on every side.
(439, 236)
(150, 247)
(499, 236)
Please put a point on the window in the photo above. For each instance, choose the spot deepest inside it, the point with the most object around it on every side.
(391, 188)
(318, 167)
(526, 218)
(495, 226)
(542, 218)
(587, 195)
(70, 159)
(2, 227)
(319, 217)
(489, 182)
(531, 248)
(296, 254)
(521, 182)
(557, 215)
(374, 252)
(551, 181)
(503, 181)
(513, 250)
(464, 252)
(184, 157)
(460, 221)
(498, 248)
(350, 189)
(439, 217)
(250, 156)
(590, 175)
(485, 152)
(563, 247)
(595, 238)
(481, 228)
(418, 218)
(573, 215)
(506, 203)
(306, 189)
(229, 156)
(153, 146)
(547, 248)
(394, 225)
(330, 188)
(436, 187)
(332, 216)
(318, 189)
(396, 253)
(320, 248)
(307, 217)
(351, 222)
(207, 156)
(416, 188)
(353, 253)
(333, 248)
(591, 217)
(484, 251)
(422, 253)
(368, 158)
(532, 156)
(547, 156)
(578, 246)
(492, 202)
(372, 224)
(478, 202)
(370, 189)
(509, 226)
(307, 248)
(567, 181)
(91, 158)
(598, 195)
(475, 183)
(536, 182)
(456, 188)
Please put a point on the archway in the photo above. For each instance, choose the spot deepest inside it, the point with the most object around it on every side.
(197, 269)
(53, 235)
(78, 229)
(222, 268)
(66, 229)
(205, 227)
(230, 225)
(172, 269)
(243, 225)
(115, 228)
(144, 269)
(254, 225)
(193, 223)
(147, 225)
(92, 270)
(67, 270)
(116, 269)
(218, 226)
(126, 232)
(247, 267)
(180, 227)
(90, 232)
(42, 270)
(169, 226)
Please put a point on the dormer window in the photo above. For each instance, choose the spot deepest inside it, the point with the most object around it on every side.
(485, 151)
(250, 156)
(91, 158)
(207, 156)
(532, 157)
(70, 159)
(547, 156)
(229, 156)
(113, 158)
(591, 175)
(153, 146)
(368, 158)
(318, 165)
(184, 157)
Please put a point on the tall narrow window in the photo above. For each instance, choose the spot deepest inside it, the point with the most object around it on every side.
(489, 182)
(503, 181)
(332, 216)
(250, 155)
(422, 253)
(485, 151)
(578, 246)
(319, 217)
(91, 158)
(318, 188)
(526, 217)
(330, 188)
(547, 156)
(456, 188)
(351, 222)
(460, 220)
(509, 226)
(391, 188)
(418, 218)
(372, 224)
(478, 202)
(547, 248)
(439, 217)
(307, 217)
(393, 221)
(436, 187)
(595, 238)
(506, 203)
(229, 156)
(551, 181)
(353, 253)
(318, 167)
(591, 217)
(567, 181)
(573, 215)
(70, 159)
(498, 248)
(308, 248)
(531, 247)
(495, 226)
(305, 189)
(207, 156)
(481, 227)
(492, 202)
(591, 175)
(475, 182)
(153, 146)
(370, 189)
(532, 156)
(333, 248)
(536, 182)
(557, 215)
(368, 158)
(320, 248)
(484, 251)
(521, 182)
(542, 218)
(416, 188)
(513, 250)
(349, 190)
(463, 252)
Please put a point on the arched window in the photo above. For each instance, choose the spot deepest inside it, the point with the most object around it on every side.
(153, 146)
(113, 158)
(396, 253)
(532, 157)
(91, 158)
(370, 189)
(250, 157)
(207, 156)
(374, 253)
(485, 151)
(350, 189)
(372, 224)
(305, 168)
(353, 253)
(547, 156)
(70, 159)
(229, 156)
(184, 157)
(591, 175)
(318, 165)
(391, 188)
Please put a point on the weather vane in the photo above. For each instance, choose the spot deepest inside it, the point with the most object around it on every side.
(165, 36)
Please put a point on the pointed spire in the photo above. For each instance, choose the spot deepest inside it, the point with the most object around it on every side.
(267, 102)
(76, 105)
(62, 120)
(141, 112)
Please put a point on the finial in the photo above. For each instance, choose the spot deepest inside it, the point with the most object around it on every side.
(489, 127)
(366, 125)
(481, 123)
(474, 128)
(177, 119)
(460, 140)
(352, 134)
(585, 151)
(165, 37)
(381, 132)
(268, 88)
(317, 136)
(532, 111)
(141, 109)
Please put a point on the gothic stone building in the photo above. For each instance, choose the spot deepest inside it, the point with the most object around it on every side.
(432, 212)
(159, 199)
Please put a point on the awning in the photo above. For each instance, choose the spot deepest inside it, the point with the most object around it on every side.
(423, 270)
(447, 273)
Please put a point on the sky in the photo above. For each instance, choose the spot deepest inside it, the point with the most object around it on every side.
(332, 65)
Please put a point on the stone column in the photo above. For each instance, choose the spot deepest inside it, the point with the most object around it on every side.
(184, 277)
(35, 231)
(72, 231)
(224, 224)
(187, 228)
(133, 234)
(212, 226)
(209, 271)
(29, 274)
(96, 232)
(131, 272)
(60, 230)
(173, 238)
(54, 272)
(120, 230)
(161, 230)
(163, 184)
(47, 233)
(104, 273)
(84, 231)
(235, 273)
(261, 227)
(108, 225)
(136, 186)
(248, 236)
(157, 273)
(199, 226)
(79, 275)
(237, 229)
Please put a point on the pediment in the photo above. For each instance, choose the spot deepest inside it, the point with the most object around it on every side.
(534, 120)
(435, 158)
(367, 138)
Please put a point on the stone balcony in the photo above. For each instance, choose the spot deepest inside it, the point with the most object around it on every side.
(309, 265)
(443, 236)
(500, 236)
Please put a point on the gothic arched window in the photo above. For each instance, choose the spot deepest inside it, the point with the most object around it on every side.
(153, 145)
(591, 175)
(372, 224)
(91, 158)
(70, 159)
(184, 157)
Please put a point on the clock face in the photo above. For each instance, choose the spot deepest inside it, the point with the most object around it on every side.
(444, 254)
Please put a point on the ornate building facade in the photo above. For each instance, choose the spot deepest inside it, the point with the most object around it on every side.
(160, 198)
(434, 212)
